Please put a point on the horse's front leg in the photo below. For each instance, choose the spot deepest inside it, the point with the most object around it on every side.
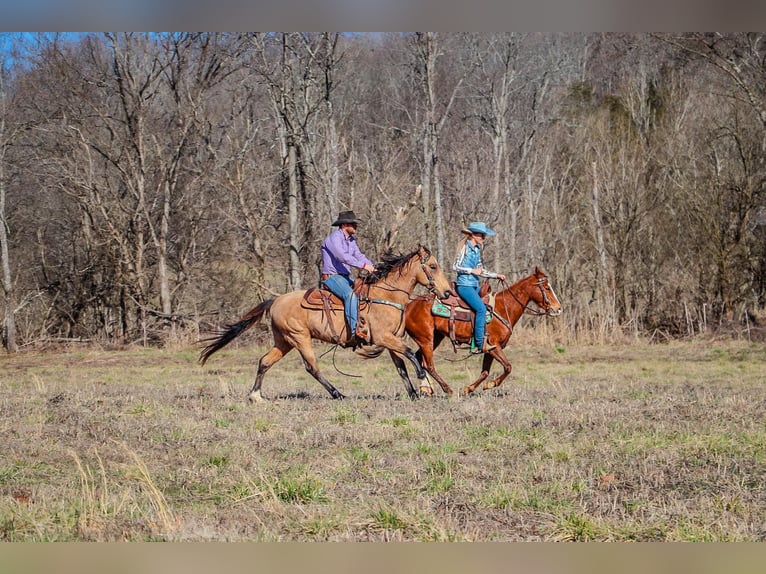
(402, 368)
(426, 388)
(485, 366)
(399, 351)
(426, 355)
(503, 360)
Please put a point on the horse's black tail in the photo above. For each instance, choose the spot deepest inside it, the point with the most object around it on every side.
(232, 331)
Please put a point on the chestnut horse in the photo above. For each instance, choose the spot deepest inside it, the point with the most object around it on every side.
(386, 292)
(428, 330)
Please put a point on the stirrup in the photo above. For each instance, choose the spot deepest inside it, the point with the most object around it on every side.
(362, 335)
(485, 348)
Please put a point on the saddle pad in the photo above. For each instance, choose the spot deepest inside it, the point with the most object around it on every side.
(461, 314)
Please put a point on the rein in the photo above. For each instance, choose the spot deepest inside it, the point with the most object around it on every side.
(524, 305)
(388, 287)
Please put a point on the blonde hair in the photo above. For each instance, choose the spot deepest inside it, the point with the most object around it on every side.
(461, 245)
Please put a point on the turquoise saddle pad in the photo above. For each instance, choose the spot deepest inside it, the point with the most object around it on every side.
(441, 310)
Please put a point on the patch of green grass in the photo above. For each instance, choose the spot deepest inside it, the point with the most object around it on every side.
(577, 527)
(424, 448)
(440, 475)
(321, 527)
(9, 473)
(500, 498)
(559, 455)
(358, 455)
(385, 519)
(691, 531)
(260, 425)
(218, 460)
(432, 449)
(345, 416)
(396, 422)
(487, 432)
(240, 491)
(530, 439)
(138, 409)
(546, 499)
(296, 487)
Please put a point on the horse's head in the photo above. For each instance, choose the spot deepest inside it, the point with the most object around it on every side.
(542, 294)
(431, 274)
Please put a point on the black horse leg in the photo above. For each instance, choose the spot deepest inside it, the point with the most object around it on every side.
(314, 372)
(416, 360)
(402, 368)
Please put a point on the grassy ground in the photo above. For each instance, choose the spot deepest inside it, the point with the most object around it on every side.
(633, 442)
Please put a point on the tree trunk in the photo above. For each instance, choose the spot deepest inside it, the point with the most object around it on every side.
(601, 280)
(293, 218)
(10, 322)
(162, 255)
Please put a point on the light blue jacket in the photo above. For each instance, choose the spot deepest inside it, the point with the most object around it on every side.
(470, 258)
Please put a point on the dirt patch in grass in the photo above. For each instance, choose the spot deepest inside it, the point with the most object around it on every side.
(640, 442)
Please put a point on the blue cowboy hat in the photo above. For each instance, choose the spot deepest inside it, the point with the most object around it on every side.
(478, 227)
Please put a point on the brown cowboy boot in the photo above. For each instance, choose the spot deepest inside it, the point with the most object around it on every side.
(485, 348)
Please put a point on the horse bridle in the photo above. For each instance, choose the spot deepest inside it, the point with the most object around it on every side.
(427, 272)
(431, 288)
(546, 306)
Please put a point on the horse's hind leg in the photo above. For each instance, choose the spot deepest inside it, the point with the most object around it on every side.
(279, 350)
(310, 362)
(427, 358)
(497, 381)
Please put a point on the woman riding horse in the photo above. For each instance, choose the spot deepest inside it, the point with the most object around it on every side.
(429, 330)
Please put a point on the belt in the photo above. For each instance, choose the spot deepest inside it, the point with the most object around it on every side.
(326, 276)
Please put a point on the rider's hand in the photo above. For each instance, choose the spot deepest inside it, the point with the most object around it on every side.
(501, 277)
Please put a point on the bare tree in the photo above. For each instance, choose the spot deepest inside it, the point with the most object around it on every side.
(297, 71)
(429, 50)
(8, 133)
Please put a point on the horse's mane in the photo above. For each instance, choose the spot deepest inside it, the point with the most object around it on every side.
(389, 262)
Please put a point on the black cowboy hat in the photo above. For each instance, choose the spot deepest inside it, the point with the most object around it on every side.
(346, 217)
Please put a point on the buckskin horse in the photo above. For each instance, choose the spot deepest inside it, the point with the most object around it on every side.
(428, 329)
(383, 295)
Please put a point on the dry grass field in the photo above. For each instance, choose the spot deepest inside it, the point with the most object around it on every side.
(662, 442)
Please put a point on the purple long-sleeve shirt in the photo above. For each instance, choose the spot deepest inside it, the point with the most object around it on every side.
(340, 252)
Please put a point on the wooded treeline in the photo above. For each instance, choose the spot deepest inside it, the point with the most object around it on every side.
(151, 184)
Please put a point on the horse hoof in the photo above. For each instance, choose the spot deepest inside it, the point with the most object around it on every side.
(426, 391)
(255, 397)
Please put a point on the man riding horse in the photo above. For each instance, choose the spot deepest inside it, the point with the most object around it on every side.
(339, 252)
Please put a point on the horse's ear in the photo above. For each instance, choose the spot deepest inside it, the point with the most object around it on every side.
(538, 273)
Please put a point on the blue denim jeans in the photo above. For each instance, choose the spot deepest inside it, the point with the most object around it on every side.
(340, 285)
(470, 295)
